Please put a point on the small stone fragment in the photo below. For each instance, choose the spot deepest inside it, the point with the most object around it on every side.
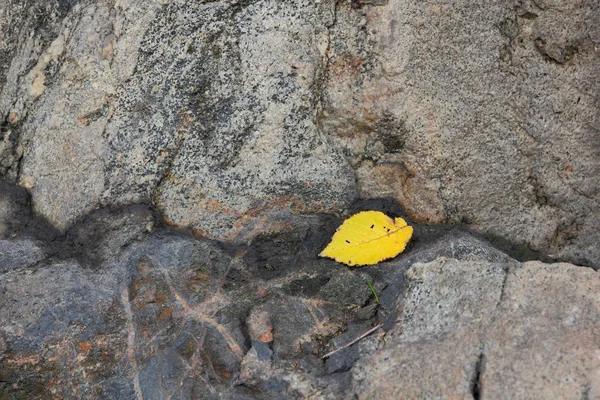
(260, 327)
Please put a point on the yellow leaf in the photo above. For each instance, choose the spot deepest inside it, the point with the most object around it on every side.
(367, 238)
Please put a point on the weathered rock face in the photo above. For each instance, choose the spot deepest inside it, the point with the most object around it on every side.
(207, 110)
(239, 90)
(490, 333)
(485, 113)
(148, 312)
(556, 337)
(220, 113)
(163, 314)
(243, 120)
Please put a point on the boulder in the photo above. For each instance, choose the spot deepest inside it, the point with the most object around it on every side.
(483, 113)
(206, 110)
(156, 313)
(222, 114)
(475, 330)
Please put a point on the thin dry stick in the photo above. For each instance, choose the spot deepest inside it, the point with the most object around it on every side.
(364, 335)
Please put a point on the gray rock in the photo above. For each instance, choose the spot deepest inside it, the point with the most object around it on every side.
(448, 296)
(545, 336)
(432, 352)
(250, 89)
(149, 311)
(177, 104)
(346, 288)
(163, 314)
(482, 113)
(468, 330)
(27, 29)
(419, 370)
(59, 323)
(16, 254)
(344, 359)
(225, 114)
(456, 244)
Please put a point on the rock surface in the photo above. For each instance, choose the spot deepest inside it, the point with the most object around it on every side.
(492, 331)
(170, 169)
(14, 210)
(485, 113)
(178, 104)
(145, 311)
(224, 114)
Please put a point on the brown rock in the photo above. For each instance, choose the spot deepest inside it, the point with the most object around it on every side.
(260, 327)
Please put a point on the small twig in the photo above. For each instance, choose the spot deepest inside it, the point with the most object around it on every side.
(364, 335)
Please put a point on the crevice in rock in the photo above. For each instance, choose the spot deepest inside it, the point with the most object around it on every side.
(321, 75)
(586, 392)
(519, 252)
(89, 230)
(476, 381)
(11, 158)
(503, 287)
(524, 253)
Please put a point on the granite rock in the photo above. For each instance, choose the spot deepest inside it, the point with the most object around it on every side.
(545, 343)
(482, 330)
(206, 110)
(225, 114)
(174, 159)
(121, 308)
(483, 113)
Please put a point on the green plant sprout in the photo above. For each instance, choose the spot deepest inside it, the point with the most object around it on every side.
(372, 290)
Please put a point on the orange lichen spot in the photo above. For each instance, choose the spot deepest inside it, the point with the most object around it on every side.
(260, 327)
(84, 346)
(226, 374)
(83, 120)
(241, 252)
(346, 66)
(198, 232)
(187, 121)
(356, 62)
(266, 337)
